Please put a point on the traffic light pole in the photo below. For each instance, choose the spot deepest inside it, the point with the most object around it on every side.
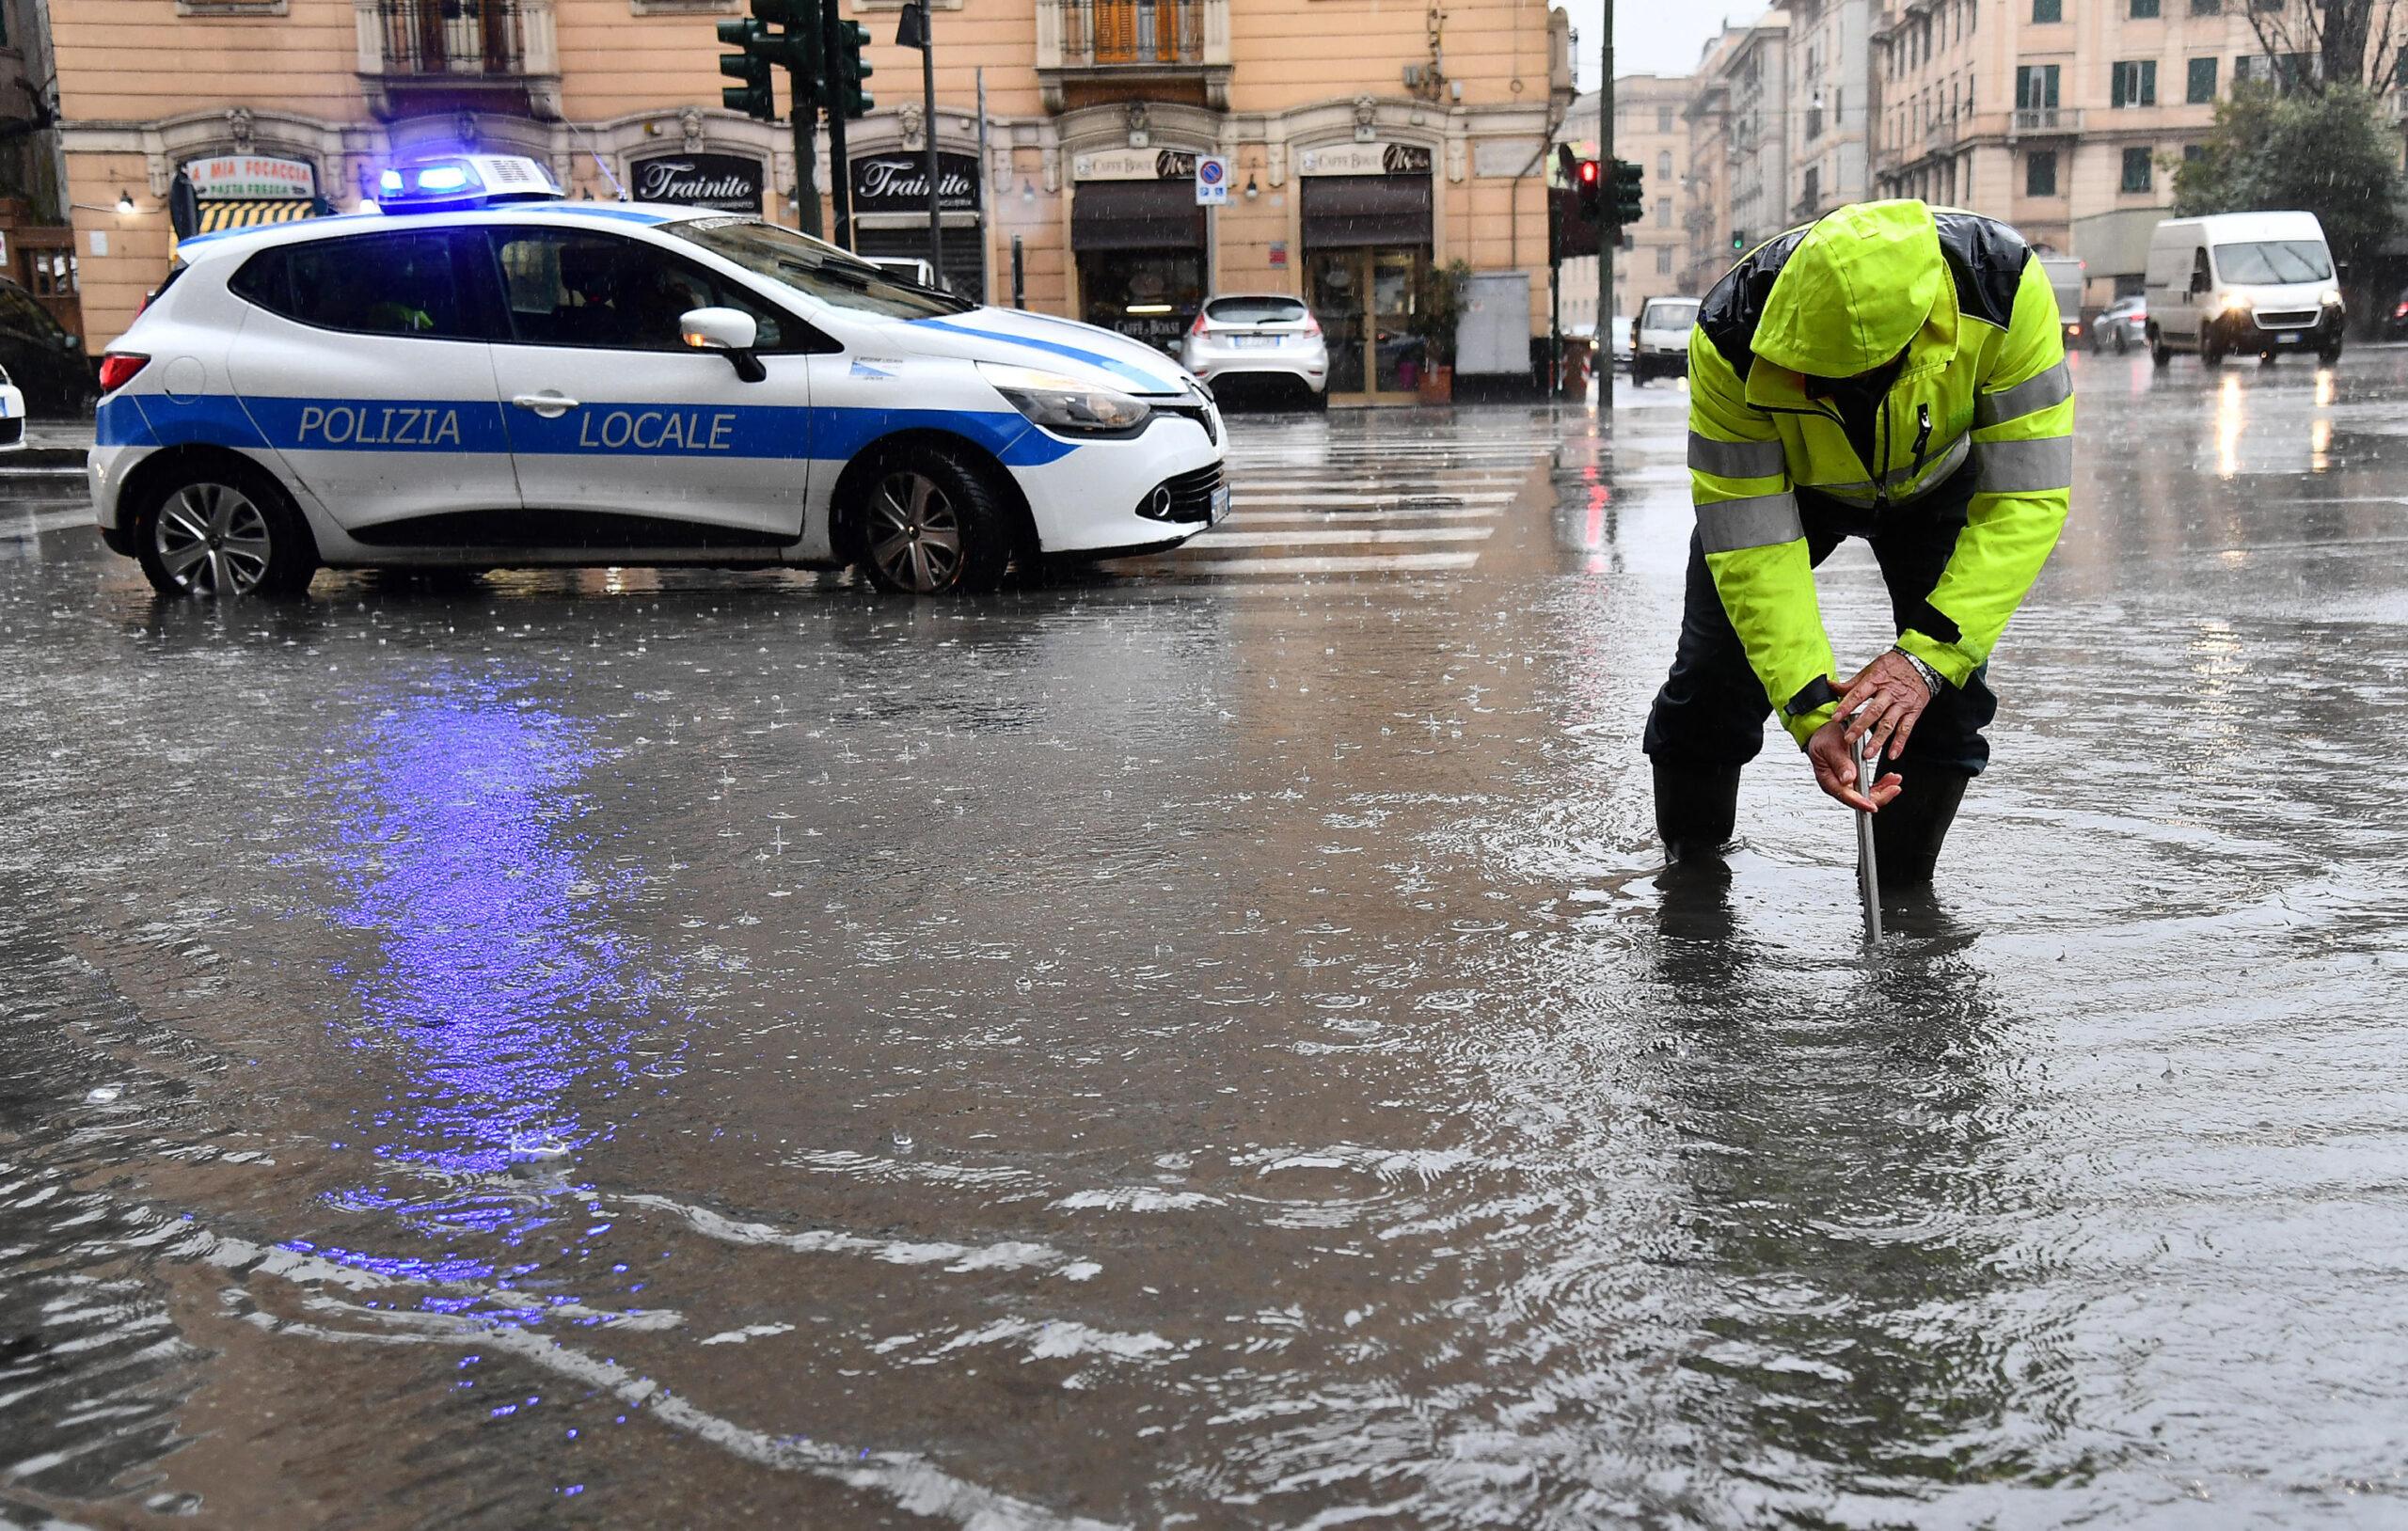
(840, 168)
(806, 153)
(929, 119)
(1608, 236)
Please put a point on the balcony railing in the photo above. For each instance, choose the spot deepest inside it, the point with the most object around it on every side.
(453, 37)
(2046, 120)
(1108, 32)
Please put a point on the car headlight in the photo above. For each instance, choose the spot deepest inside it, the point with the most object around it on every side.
(2330, 297)
(1066, 405)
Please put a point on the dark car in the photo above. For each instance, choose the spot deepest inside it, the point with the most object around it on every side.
(42, 357)
(2395, 322)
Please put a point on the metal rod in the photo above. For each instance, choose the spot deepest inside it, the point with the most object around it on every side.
(1868, 875)
(1608, 236)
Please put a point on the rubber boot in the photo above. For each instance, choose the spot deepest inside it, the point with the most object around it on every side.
(1908, 835)
(1697, 808)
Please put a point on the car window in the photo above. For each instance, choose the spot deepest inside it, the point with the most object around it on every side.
(1675, 316)
(820, 269)
(582, 286)
(379, 284)
(1271, 310)
(2274, 260)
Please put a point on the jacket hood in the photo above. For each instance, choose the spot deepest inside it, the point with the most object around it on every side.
(1856, 289)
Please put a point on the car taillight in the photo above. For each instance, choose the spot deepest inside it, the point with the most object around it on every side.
(117, 369)
(1201, 326)
(2400, 312)
(1313, 325)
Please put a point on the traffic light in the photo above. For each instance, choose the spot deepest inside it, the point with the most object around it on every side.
(1588, 190)
(753, 97)
(1630, 194)
(1738, 242)
(851, 69)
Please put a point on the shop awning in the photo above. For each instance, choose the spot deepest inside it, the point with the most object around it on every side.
(249, 213)
(1350, 211)
(1135, 216)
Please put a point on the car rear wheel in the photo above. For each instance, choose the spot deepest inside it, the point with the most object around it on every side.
(222, 532)
(931, 526)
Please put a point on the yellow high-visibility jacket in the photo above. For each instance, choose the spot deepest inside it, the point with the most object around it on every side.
(1984, 376)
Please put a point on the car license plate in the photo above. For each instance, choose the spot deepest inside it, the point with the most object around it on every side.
(1254, 342)
(2289, 337)
(1220, 506)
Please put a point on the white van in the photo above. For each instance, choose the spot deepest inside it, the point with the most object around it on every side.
(2256, 283)
(1663, 349)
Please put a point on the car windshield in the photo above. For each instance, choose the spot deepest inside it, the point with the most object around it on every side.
(1668, 316)
(822, 271)
(1268, 310)
(2274, 260)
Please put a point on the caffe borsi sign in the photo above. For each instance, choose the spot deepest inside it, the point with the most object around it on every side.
(1134, 164)
(900, 183)
(728, 182)
(1372, 158)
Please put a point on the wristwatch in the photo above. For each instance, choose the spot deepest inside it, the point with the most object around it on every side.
(1931, 682)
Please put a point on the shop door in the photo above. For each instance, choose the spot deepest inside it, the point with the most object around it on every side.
(1364, 300)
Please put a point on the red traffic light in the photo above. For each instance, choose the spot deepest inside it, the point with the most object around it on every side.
(1587, 172)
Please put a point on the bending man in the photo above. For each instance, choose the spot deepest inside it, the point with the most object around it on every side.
(1885, 373)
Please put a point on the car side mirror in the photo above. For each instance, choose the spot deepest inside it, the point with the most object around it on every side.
(729, 330)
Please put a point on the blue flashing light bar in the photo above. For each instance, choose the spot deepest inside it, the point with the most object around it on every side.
(454, 182)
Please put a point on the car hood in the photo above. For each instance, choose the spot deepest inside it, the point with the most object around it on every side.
(1086, 352)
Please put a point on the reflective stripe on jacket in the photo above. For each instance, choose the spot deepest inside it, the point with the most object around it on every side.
(1984, 378)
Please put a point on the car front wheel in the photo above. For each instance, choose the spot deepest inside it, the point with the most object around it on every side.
(932, 525)
(223, 532)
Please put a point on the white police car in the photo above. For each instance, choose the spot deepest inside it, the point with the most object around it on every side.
(485, 374)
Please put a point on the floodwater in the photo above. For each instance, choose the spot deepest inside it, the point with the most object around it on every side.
(1203, 1045)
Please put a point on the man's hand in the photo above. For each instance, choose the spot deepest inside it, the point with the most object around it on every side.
(1886, 697)
(1836, 769)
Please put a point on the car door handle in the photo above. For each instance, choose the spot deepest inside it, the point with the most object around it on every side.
(549, 403)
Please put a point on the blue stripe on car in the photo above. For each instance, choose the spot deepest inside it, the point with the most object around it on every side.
(1153, 383)
(766, 432)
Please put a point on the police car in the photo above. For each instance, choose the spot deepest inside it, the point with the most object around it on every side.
(484, 373)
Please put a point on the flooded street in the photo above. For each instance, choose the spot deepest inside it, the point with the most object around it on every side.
(1200, 1042)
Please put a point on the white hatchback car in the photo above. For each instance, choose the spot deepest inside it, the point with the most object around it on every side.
(1259, 336)
(484, 374)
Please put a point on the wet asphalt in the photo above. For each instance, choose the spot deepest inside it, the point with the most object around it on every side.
(1202, 1042)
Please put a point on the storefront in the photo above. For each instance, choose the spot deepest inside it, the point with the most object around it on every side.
(891, 212)
(1367, 234)
(241, 191)
(1137, 236)
(730, 182)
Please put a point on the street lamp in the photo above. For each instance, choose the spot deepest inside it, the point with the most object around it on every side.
(125, 202)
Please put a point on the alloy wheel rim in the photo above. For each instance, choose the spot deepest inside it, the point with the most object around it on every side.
(212, 541)
(915, 533)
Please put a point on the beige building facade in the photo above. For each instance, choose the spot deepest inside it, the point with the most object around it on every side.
(1740, 138)
(1368, 139)
(2059, 116)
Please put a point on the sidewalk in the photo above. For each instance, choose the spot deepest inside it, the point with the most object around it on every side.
(52, 445)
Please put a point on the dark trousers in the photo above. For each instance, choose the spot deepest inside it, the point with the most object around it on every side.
(1711, 711)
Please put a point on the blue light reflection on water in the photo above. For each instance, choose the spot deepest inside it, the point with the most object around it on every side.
(502, 995)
